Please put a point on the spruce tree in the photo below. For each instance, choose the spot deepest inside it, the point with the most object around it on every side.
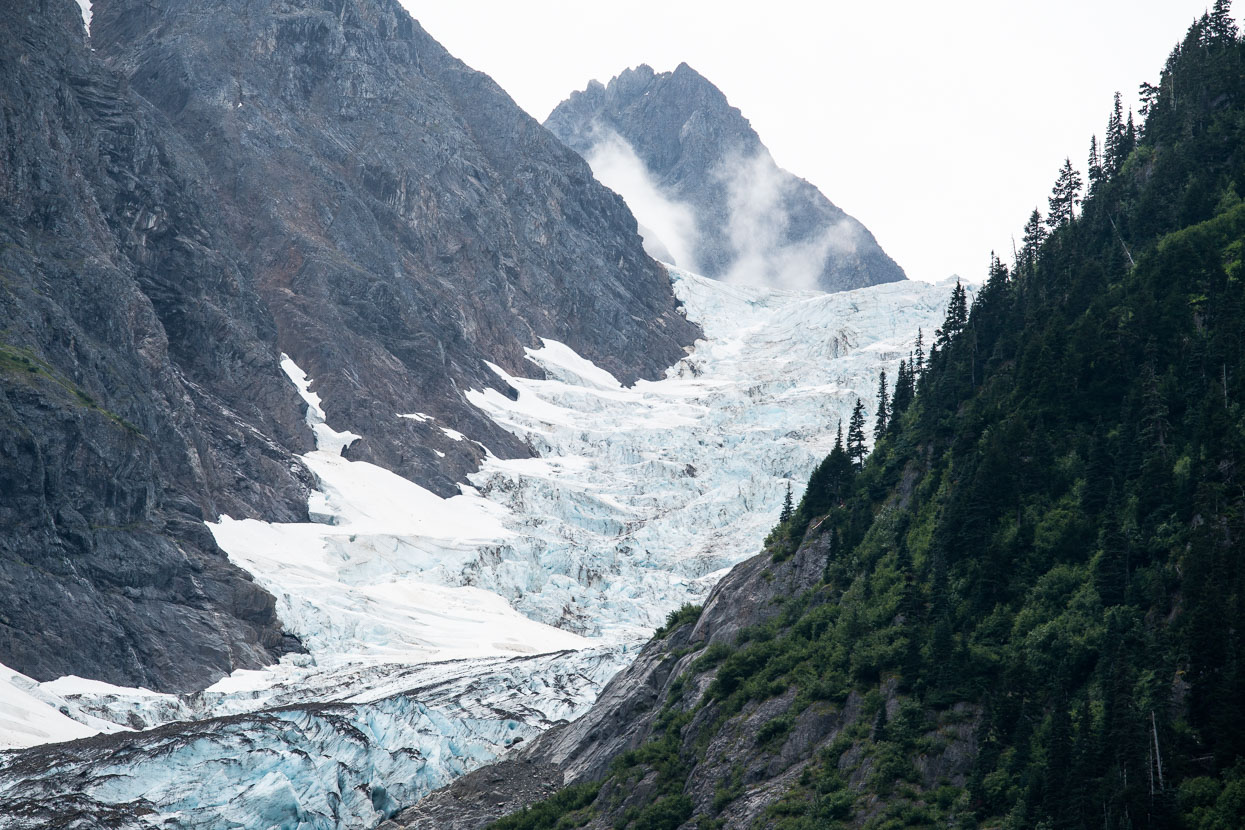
(1112, 143)
(918, 361)
(1035, 235)
(901, 398)
(787, 507)
(957, 317)
(856, 435)
(883, 414)
(1065, 196)
(1095, 163)
(1222, 26)
(1149, 94)
(957, 310)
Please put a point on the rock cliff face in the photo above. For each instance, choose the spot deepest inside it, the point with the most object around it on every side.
(204, 187)
(752, 220)
(404, 219)
(139, 386)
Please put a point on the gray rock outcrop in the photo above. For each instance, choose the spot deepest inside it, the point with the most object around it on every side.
(139, 386)
(753, 221)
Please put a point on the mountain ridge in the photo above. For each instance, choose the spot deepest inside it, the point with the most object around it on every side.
(753, 221)
(193, 193)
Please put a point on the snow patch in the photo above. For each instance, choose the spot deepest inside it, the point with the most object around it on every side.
(327, 439)
(32, 713)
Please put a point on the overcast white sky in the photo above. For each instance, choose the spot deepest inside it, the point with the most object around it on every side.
(938, 125)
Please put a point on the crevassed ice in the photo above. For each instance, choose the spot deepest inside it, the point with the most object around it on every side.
(639, 500)
(641, 497)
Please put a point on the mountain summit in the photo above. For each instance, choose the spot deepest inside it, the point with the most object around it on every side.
(695, 172)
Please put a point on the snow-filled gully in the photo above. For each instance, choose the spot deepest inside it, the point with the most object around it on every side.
(440, 631)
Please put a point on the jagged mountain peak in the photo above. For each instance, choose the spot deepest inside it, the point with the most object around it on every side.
(695, 171)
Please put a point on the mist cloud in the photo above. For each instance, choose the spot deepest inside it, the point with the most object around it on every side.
(758, 192)
(757, 196)
(667, 225)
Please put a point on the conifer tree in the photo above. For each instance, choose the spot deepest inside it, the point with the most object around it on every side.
(1095, 163)
(902, 397)
(1222, 25)
(787, 507)
(1035, 235)
(1149, 94)
(957, 317)
(856, 435)
(918, 361)
(994, 288)
(883, 413)
(1112, 143)
(957, 310)
(1065, 196)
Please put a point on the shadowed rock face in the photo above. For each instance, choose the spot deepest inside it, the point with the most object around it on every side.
(218, 183)
(750, 215)
(139, 385)
(405, 220)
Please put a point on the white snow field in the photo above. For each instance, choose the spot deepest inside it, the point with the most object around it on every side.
(440, 630)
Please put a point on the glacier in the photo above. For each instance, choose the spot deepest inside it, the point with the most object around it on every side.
(442, 631)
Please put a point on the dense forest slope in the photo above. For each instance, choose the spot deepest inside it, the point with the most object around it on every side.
(200, 187)
(1026, 608)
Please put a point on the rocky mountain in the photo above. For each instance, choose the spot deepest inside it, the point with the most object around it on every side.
(204, 187)
(417, 670)
(698, 176)
(138, 395)
(403, 218)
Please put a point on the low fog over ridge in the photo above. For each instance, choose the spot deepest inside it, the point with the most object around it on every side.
(667, 225)
(707, 192)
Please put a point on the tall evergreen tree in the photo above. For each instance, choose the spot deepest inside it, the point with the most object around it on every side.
(1222, 25)
(1065, 196)
(957, 309)
(883, 414)
(787, 507)
(1035, 235)
(856, 435)
(1149, 94)
(918, 360)
(1113, 142)
(957, 317)
(903, 395)
(1095, 163)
